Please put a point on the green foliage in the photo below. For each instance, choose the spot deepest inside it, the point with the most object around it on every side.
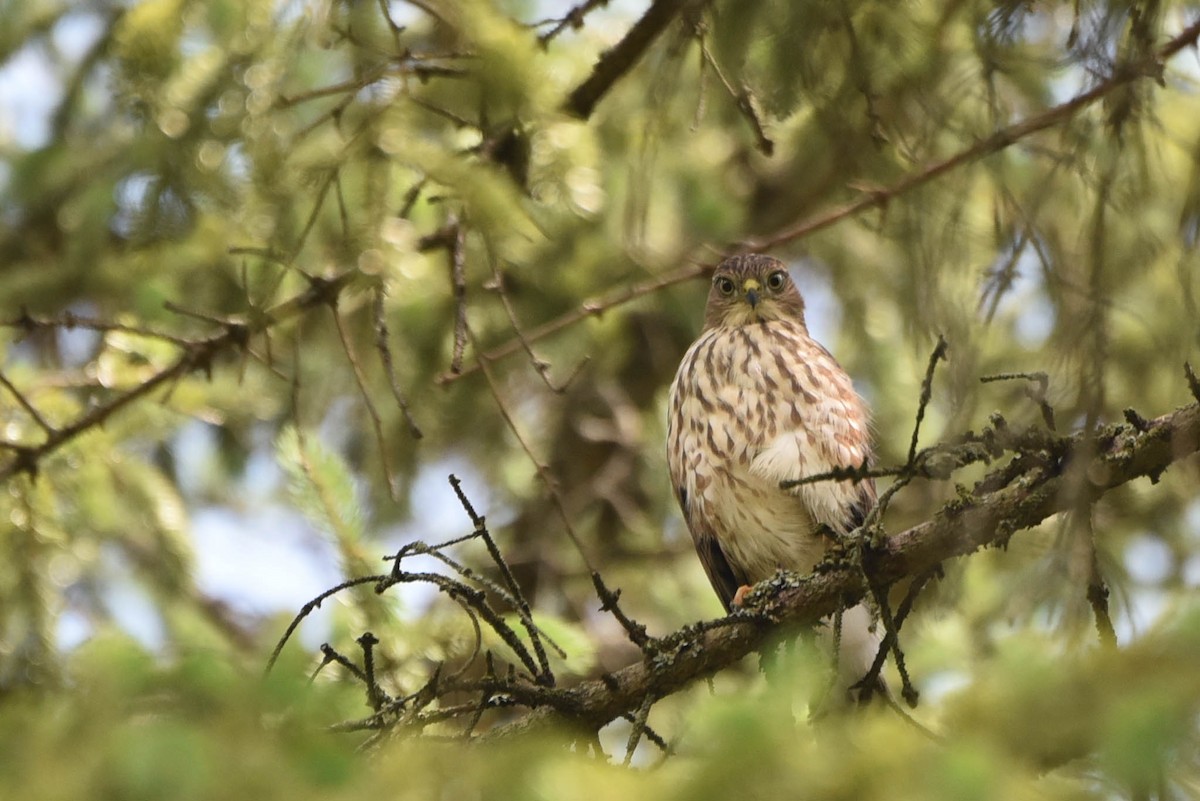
(130, 727)
(209, 163)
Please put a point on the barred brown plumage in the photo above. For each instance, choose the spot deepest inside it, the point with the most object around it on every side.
(755, 402)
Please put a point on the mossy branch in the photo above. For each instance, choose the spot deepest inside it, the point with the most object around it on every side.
(1001, 505)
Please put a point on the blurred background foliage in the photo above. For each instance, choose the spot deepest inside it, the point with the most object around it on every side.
(198, 161)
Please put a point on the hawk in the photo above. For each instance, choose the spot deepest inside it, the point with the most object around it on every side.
(756, 402)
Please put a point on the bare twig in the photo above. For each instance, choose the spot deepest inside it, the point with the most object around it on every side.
(907, 691)
(609, 603)
(510, 581)
(868, 681)
(939, 353)
(608, 598)
(572, 19)
(542, 470)
(376, 697)
(1193, 382)
(638, 729)
(743, 98)
(1037, 394)
(311, 607)
(26, 405)
(322, 191)
(540, 365)
(361, 379)
(458, 282)
(385, 355)
(69, 321)
(476, 601)
(396, 29)
(329, 655)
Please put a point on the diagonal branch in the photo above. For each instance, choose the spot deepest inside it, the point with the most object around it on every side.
(622, 57)
(998, 141)
(1150, 67)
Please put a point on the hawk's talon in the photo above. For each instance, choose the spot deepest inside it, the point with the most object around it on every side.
(828, 532)
(739, 597)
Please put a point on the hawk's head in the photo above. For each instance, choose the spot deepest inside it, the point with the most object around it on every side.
(752, 289)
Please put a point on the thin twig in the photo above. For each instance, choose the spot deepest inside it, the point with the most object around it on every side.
(1038, 395)
(385, 355)
(638, 729)
(313, 605)
(477, 601)
(351, 87)
(376, 421)
(458, 281)
(572, 19)
(70, 321)
(541, 469)
(329, 655)
(892, 629)
(608, 598)
(510, 581)
(391, 23)
(939, 353)
(1193, 382)
(376, 697)
(742, 98)
(540, 365)
(650, 734)
(26, 405)
(322, 191)
(609, 603)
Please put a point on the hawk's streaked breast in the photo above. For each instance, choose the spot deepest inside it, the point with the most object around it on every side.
(752, 406)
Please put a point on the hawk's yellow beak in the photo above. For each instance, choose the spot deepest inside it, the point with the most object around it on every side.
(750, 287)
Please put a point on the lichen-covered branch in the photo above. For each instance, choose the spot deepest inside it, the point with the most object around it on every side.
(1001, 505)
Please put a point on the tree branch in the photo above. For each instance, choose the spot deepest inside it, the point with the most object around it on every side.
(197, 354)
(622, 57)
(998, 141)
(589, 308)
(1124, 453)
(1150, 67)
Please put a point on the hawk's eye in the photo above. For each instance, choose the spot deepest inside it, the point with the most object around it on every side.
(724, 285)
(776, 280)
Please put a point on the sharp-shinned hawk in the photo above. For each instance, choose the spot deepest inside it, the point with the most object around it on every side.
(756, 402)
